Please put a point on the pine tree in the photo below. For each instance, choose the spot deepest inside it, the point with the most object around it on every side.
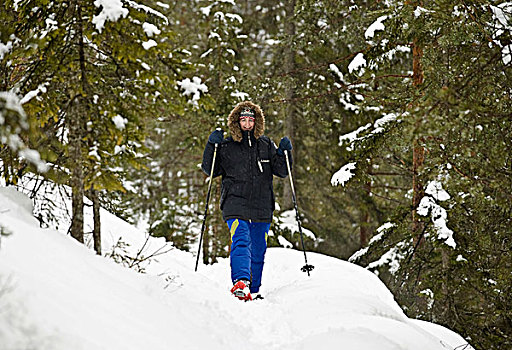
(210, 30)
(15, 125)
(98, 80)
(444, 262)
(309, 102)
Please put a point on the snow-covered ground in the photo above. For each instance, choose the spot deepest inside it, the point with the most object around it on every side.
(57, 294)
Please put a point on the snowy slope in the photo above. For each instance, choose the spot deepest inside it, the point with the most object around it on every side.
(56, 294)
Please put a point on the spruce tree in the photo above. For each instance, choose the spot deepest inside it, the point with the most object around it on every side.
(97, 75)
(438, 75)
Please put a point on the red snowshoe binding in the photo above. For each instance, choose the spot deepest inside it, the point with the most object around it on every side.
(241, 290)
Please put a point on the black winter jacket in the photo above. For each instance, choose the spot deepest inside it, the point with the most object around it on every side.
(247, 168)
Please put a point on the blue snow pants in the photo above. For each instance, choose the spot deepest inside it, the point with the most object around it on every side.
(248, 247)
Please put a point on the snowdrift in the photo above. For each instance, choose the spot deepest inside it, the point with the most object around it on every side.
(57, 294)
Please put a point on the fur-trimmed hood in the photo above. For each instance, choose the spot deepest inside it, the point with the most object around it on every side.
(234, 116)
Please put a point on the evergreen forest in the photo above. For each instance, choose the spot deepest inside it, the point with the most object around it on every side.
(399, 112)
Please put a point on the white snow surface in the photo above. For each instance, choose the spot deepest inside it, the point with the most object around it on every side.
(436, 190)
(357, 63)
(377, 25)
(57, 294)
(111, 10)
(193, 87)
(289, 221)
(150, 29)
(12, 102)
(503, 22)
(119, 121)
(428, 204)
(343, 175)
(149, 44)
(5, 48)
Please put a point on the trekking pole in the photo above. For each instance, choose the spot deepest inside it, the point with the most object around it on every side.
(305, 268)
(206, 207)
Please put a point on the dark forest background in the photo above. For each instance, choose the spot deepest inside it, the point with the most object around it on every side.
(415, 94)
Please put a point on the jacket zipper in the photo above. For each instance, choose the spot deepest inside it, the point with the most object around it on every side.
(251, 175)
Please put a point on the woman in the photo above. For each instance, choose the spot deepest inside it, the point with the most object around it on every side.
(247, 162)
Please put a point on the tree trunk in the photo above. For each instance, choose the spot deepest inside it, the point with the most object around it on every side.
(218, 244)
(76, 131)
(206, 245)
(77, 175)
(215, 243)
(364, 230)
(418, 156)
(96, 233)
(364, 225)
(289, 66)
(417, 70)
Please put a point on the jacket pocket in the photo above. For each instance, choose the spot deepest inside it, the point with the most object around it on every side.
(273, 198)
(224, 194)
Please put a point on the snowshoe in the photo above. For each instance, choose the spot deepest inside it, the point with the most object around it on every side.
(241, 290)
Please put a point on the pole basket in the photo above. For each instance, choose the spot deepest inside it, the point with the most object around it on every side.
(307, 268)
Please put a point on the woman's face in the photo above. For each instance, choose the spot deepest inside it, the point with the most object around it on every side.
(246, 123)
